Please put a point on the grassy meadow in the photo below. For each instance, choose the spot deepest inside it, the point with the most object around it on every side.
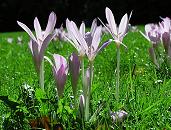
(145, 91)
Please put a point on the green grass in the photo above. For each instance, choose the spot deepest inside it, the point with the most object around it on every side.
(146, 101)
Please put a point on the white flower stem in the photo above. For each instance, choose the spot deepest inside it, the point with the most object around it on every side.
(41, 78)
(89, 93)
(117, 74)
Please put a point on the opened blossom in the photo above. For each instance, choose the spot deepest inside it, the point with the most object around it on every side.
(76, 38)
(39, 43)
(86, 43)
(117, 32)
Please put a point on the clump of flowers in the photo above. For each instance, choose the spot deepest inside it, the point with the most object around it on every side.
(159, 37)
(87, 44)
(60, 34)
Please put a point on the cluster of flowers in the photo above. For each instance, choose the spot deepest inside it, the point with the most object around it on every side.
(156, 34)
(86, 44)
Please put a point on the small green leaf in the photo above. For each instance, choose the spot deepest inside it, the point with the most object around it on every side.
(40, 94)
(68, 109)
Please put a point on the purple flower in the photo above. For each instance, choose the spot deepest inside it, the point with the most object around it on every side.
(86, 42)
(39, 43)
(152, 32)
(93, 41)
(60, 71)
(165, 25)
(118, 33)
(153, 35)
(165, 28)
(74, 67)
(76, 38)
(60, 34)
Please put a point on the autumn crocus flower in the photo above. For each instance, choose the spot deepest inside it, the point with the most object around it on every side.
(75, 37)
(165, 28)
(86, 42)
(60, 71)
(93, 39)
(60, 34)
(74, 68)
(39, 43)
(153, 35)
(118, 33)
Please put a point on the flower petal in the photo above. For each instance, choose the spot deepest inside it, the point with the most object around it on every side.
(60, 78)
(51, 24)
(35, 53)
(123, 25)
(111, 21)
(93, 26)
(59, 60)
(38, 29)
(106, 27)
(27, 30)
(104, 45)
(73, 41)
(74, 67)
(60, 73)
(78, 36)
(82, 29)
(96, 39)
(147, 28)
(44, 45)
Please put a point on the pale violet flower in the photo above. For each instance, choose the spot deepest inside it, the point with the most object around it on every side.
(39, 43)
(117, 32)
(152, 33)
(60, 71)
(165, 28)
(118, 116)
(60, 34)
(86, 43)
(76, 38)
(74, 68)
